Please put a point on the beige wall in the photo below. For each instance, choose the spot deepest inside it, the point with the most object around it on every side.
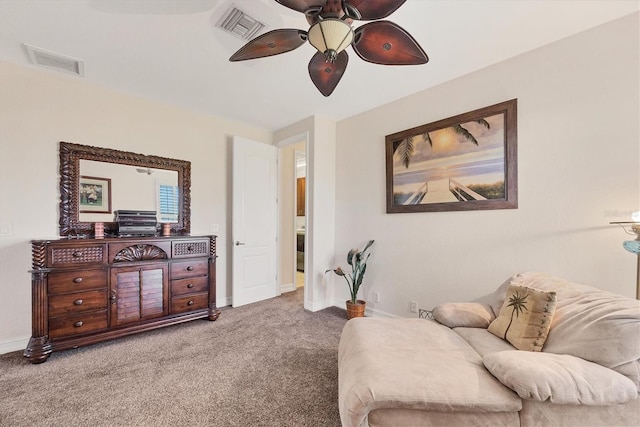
(37, 110)
(578, 160)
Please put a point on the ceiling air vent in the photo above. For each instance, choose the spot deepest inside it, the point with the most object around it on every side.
(240, 24)
(55, 61)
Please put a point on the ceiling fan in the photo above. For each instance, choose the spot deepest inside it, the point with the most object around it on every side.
(380, 42)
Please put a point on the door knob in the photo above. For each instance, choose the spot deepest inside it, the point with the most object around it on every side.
(239, 243)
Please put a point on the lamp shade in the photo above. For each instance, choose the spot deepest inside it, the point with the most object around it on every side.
(633, 245)
(330, 36)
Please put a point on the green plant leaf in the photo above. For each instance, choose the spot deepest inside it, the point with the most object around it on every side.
(357, 259)
(350, 255)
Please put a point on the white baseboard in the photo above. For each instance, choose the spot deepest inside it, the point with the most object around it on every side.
(288, 287)
(11, 346)
(317, 306)
(372, 312)
(368, 311)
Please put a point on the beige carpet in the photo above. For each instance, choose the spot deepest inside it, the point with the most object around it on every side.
(266, 364)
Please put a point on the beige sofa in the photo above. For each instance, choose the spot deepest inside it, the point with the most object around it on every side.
(454, 371)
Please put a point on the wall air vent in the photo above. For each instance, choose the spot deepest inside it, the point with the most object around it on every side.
(55, 61)
(239, 24)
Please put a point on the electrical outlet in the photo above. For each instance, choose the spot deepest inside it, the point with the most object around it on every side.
(413, 306)
(375, 297)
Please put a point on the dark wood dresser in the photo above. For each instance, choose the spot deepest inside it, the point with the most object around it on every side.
(89, 290)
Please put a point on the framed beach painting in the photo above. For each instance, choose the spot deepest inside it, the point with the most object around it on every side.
(466, 162)
(95, 194)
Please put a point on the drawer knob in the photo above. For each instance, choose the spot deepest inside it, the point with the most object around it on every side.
(77, 254)
(190, 302)
(78, 302)
(78, 324)
(77, 280)
(190, 285)
(190, 268)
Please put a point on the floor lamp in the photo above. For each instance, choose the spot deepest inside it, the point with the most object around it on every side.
(633, 246)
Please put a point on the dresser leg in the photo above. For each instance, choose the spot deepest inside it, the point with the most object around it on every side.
(214, 313)
(38, 350)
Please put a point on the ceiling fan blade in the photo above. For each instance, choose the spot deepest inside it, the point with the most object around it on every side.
(313, 6)
(326, 75)
(271, 43)
(374, 9)
(386, 43)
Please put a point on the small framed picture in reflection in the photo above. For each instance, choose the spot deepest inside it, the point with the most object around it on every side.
(95, 194)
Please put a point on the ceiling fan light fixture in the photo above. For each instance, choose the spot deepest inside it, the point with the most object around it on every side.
(330, 36)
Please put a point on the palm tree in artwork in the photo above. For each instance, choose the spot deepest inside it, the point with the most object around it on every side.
(518, 303)
(407, 146)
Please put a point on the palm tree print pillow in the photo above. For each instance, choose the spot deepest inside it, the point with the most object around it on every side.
(525, 317)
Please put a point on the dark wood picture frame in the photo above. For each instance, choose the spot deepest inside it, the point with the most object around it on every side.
(474, 147)
(95, 194)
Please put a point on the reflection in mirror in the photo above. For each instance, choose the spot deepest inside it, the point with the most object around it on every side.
(130, 181)
(134, 188)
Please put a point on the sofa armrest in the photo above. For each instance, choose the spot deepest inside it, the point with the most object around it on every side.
(559, 378)
(464, 314)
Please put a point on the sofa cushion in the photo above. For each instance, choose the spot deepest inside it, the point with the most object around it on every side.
(483, 341)
(536, 414)
(525, 317)
(413, 364)
(589, 323)
(559, 378)
(464, 314)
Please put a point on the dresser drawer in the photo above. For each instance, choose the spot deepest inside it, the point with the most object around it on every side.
(190, 285)
(74, 281)
(192, 268)
(69, 256)
(190, 248)
(189, 303)
(77, 324)
(77, 302)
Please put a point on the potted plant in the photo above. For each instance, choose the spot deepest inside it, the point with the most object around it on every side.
(357, 259)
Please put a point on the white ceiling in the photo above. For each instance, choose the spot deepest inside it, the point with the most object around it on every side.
(171, 51)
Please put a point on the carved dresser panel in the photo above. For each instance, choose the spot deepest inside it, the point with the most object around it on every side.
(91, 290)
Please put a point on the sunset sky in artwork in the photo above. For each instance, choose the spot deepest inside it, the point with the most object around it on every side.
(454, 156)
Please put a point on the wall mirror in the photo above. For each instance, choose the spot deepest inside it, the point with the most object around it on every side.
(95, 182)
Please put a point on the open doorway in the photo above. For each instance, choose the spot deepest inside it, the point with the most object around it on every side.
(300, 223)
(293, 230)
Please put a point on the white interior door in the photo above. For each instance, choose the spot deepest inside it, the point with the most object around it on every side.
(254, 221)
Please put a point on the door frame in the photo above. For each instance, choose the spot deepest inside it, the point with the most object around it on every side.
(296, 153)
(301, 137)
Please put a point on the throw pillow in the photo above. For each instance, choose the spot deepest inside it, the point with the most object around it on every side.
(525, 317)
(559, 378)
(465, 314)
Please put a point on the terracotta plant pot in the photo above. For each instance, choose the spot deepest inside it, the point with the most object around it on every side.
(355, 310)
